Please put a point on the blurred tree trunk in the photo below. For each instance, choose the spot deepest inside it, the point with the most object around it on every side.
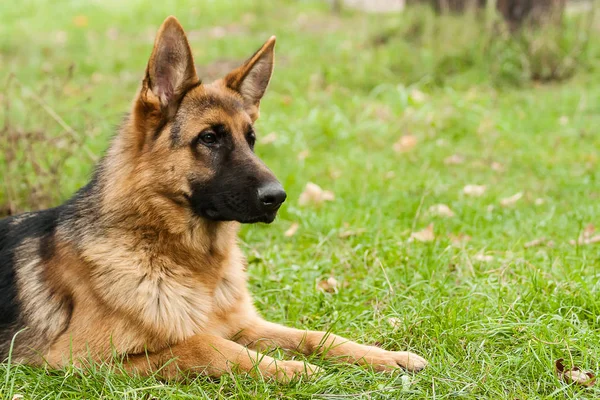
(517, 12)
(458, 5)
(443, 6)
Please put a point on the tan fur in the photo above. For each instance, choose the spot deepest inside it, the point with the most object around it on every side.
(157, 284)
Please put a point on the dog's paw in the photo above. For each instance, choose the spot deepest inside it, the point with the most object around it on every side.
(286, 371)
(389, 360)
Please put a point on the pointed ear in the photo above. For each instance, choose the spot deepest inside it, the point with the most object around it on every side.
(171, 70)
(251, 79)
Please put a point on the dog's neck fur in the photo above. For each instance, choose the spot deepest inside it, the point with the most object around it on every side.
(120, 205)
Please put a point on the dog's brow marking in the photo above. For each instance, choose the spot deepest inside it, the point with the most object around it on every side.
(176, 133)
(229, 104)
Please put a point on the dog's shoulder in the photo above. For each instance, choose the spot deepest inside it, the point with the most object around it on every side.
(20, 237)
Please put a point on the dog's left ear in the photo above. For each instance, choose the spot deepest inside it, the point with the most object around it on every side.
(251, 79)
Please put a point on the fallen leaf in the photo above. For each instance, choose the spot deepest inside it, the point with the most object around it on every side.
(335, 173)
(97, 77)
(268, 139)
(382, 112)
(112, 33)
(486, 125)
(459, 238)
(496, 166)
(539, 201)
(535, 243)
(292, 230)
(61, 37)
(80, 21)
(418, 96)
(474, 190)
(394, 322)
(328, 285)
(574, 375)
(454, 159)
(587, 236)
(348, 233)
(512, 200)
(405, 143)
(426, 235)
(303, 155)
(46, 67)
(313, 194)
(441, 210)
(483, 258)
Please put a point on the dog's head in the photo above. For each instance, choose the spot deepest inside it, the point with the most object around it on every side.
(196, 140)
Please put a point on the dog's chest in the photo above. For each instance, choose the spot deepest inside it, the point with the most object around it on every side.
(181, 308)
(175, 302)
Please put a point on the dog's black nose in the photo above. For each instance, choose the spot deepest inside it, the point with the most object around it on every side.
(271, 195)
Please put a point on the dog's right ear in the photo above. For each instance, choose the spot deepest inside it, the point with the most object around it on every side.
(170, 71)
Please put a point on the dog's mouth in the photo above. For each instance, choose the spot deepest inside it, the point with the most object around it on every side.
(242, 207)
(216, 215)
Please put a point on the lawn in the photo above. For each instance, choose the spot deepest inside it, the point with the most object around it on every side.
(394, 114)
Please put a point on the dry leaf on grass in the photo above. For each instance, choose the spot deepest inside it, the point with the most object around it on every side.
(61, 37)
(303, 155)
(382, 112)
(80, 21)
(574, 375)
(292, 230)
(538, 242)
(483, 258)
(512, 200)
(112, 33)
(454, 159)
(459, 238)
(405, 143)
(406, 383)
(394, 322)
(474, 190)
(497, 167)
(441, 210)
(313, 194)
(426, 235)
(539, 202)
(329, 285)
(335, 173)
(268, 139)
(587, 236)
(417, 96)
(348, 233)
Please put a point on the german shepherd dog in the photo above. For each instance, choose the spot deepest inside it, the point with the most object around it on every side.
(143, 262)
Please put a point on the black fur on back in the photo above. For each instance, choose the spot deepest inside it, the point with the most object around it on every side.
(75, 216)
(13, 231)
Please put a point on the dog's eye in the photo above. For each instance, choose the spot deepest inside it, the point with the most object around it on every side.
(251, 138)
(208, 138)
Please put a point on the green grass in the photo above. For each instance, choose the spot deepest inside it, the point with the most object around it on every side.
(491, 329)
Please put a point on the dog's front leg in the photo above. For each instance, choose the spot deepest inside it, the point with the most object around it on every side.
(214, 356)
(262, 335)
